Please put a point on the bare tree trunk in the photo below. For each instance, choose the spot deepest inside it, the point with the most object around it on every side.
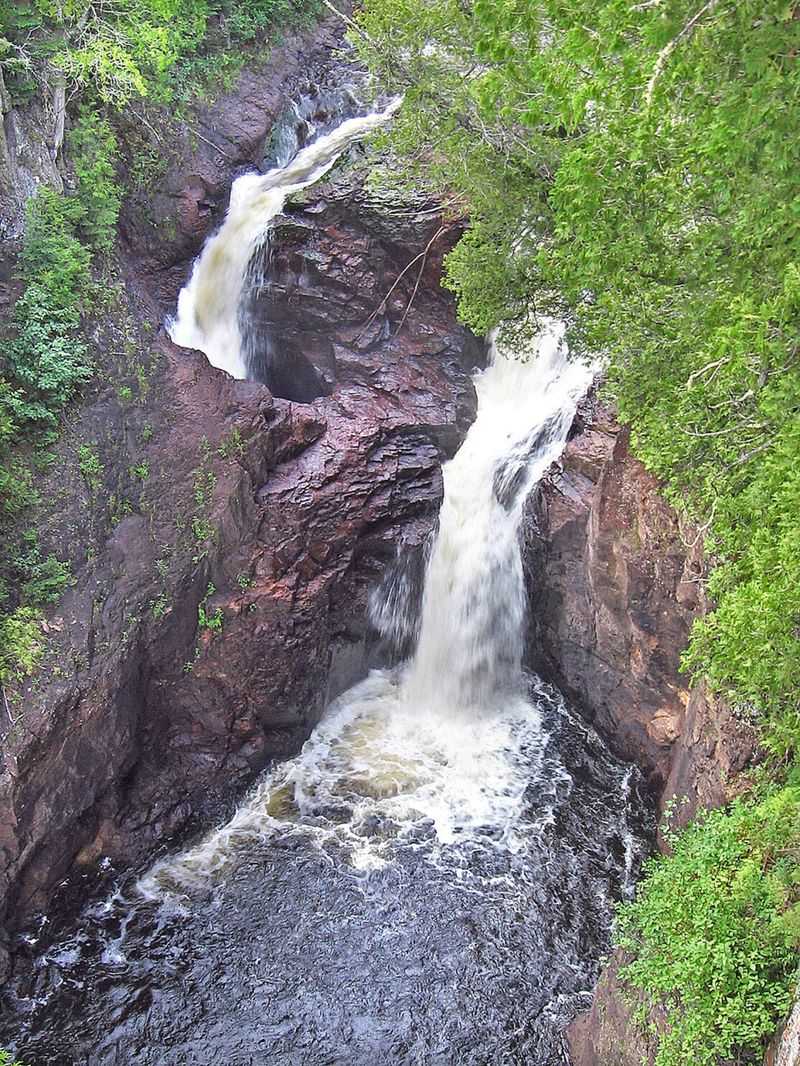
(6, 163)
(59, 105)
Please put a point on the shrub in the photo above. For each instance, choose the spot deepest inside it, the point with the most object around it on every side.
(46, 360)
(5, 1059)
(93, 148)
(53, 255)
(715, 930)
(45, 579)
(16, 488)
(20, 645)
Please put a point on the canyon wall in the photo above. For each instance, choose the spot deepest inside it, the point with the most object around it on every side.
(223, 538)
(224, 549)
(614, 584)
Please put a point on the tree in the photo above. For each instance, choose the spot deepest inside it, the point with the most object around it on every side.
(632, 166)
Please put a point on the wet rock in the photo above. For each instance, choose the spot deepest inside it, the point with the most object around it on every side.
(606, 1035)
(203, 636)
(614, 584)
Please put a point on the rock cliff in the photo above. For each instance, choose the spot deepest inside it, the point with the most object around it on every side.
(614, 584)
(223, 538)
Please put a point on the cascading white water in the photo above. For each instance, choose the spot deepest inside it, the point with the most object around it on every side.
(470, 644)
(208, 306)
(449, 739)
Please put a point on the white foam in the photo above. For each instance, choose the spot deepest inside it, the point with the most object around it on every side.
(438, 753)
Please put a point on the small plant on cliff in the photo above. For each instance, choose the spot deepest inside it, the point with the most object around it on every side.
(20, 645)
(233, 446)
(44, 579)
(141, 472)
(715, 929)
(206, 619)
(159, 607)
(90, 466)
(6, 1059)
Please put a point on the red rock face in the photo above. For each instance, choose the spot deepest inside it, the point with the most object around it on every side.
(614, 585)
(210, 630)
(614, 588)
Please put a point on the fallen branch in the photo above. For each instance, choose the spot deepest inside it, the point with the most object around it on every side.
(700, 532)
(438, 233)
(704, 370)
(144, 121)
(747, 456)
(382, 305)
(350, 22)
(11, 718)
(211, 144)
(737, 427)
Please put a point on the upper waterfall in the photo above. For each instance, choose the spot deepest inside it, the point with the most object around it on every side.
(208, 306)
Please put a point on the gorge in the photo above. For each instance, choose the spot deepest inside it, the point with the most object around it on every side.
(356, 721)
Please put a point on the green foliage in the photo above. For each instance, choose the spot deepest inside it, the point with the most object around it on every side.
(16, 487)
(46, 361)
(20, 644)
(141, 471)
(206, 619)
(748, 647)
(5, 1059)
(715, 931)
(633, 168)
(91, 466)
(233, 446)
(93, 150)
(53, 255)
(42, 580)
(122, 52)
(159, 606)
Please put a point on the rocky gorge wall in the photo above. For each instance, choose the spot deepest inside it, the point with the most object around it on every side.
(223, 539)
(614, 584)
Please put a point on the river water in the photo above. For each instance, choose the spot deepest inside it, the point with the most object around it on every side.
(431, 880)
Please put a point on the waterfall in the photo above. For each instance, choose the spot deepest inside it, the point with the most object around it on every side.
(470, 645)
(449, 739)
(431, 880)
(208, 306)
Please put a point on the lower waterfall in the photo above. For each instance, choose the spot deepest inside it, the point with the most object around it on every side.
(431, 880)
